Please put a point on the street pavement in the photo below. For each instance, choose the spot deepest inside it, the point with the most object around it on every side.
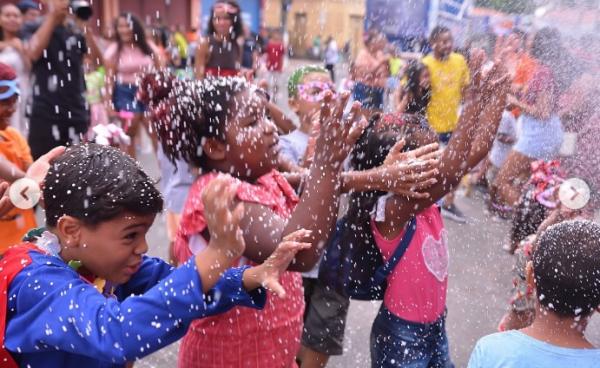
(478, 288)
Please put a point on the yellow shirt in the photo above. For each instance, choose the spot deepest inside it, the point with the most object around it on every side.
(448, 78)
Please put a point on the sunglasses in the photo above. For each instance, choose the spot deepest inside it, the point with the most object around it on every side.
(315, 91)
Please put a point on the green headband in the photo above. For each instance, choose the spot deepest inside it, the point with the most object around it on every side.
(300, 73)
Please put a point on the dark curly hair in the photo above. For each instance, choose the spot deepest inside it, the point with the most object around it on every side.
(566, 264)
(96, 183)
(184, 112)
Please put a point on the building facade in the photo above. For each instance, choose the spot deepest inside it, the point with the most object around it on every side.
(307, 19)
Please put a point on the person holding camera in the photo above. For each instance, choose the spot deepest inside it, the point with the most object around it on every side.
(56, 45)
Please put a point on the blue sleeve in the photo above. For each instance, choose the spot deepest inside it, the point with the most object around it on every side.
(150, 273)
(475, 361)
(53, 309)
(286, 148)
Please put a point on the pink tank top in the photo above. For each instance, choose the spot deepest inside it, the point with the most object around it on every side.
(417, 287)
(132, 63)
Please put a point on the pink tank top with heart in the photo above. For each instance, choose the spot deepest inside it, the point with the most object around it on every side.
(417, 287)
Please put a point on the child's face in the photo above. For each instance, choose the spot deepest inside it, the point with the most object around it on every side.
(7, 109)
(425, 79)
(311, 92)
(251, 138)
(113, 249)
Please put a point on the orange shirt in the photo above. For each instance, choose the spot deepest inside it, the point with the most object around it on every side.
(525, 67)
(17, 222)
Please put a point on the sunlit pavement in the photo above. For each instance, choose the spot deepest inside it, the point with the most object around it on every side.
(479, 281)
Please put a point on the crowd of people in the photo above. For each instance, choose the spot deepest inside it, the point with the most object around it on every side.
(274, 226)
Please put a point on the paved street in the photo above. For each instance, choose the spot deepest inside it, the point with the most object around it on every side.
(479, 283)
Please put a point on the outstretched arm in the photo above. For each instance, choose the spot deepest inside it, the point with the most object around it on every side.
(318, 206)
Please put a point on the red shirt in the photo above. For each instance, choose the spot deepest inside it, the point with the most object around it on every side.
(275, 52)
(243, 336)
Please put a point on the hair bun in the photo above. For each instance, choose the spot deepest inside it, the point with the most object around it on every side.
(155, 87)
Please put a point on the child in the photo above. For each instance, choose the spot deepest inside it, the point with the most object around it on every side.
(522, 303)
(410, 327)
(306, 89)
(565, 273)
(220, 125)
(14, 148)
(99, 207)
(325, 313)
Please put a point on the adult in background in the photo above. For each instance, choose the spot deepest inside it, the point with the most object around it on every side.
(30, 10)
(370, 71)
(12, 53)
(57, 44)
(219, 54)
(332, 56)
(251, 51)
(127, 60)
(541, 132)
(449, 75)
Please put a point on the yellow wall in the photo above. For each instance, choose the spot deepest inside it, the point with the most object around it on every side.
(341, 19)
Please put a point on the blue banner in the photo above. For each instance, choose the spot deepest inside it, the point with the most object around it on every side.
(398, 18)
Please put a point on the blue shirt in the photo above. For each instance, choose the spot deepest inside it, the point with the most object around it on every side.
(514, 349)
(56, 319)
(294, 145)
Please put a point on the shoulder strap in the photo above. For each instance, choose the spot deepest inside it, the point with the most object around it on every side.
(382, 272)
(12, 262)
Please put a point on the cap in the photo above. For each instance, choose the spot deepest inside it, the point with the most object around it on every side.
(25, 5)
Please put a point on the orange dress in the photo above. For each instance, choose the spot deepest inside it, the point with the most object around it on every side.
(17, 222)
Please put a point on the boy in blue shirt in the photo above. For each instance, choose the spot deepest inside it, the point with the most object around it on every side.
(81, 293)
(565, 272)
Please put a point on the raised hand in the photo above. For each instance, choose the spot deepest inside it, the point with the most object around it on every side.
(39, 168)
(337, 136)
(409, 173)
(268, 273)
(223, 216)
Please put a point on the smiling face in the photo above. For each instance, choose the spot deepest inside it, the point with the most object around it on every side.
(311, 91)
(425, 79)
(10, 18)
(251, 142)
(124, 30)
(112, 249)
(442, 45)
(7, 109)
(221, 21)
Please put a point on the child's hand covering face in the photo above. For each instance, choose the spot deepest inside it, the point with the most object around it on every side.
(337, 137)
(409, 173)
(223, 216)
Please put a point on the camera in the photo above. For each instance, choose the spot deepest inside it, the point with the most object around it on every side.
(82, 9)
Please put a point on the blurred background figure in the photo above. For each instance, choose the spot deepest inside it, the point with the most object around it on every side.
(12, 53)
